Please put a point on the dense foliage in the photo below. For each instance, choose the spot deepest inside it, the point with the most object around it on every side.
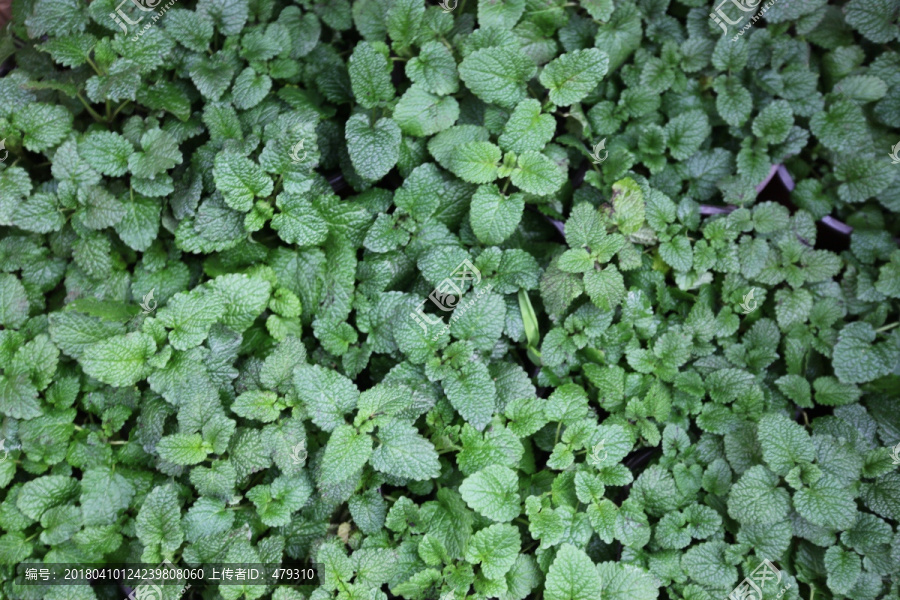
(221, 341)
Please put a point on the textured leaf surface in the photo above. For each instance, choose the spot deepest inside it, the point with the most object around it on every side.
(573, 75)
(492, 492)
(572, 576)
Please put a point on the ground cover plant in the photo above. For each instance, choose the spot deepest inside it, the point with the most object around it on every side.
(470, 300)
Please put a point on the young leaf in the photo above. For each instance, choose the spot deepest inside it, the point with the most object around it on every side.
(573, 75)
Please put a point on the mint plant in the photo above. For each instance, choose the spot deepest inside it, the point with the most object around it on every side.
(347, 286)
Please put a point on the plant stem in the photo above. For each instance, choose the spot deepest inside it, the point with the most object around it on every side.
(121, 106)
(94, 66)
(90, 110)
(887, 327)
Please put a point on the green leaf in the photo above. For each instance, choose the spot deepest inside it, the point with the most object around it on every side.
(677, 253)
(374, 149)
(43, 126)
(276, 503)
(774, 122)
(784, 443)
(876, 19)
(193, 30)
(792, 307)
(686, 133)
(121, 360)
(298, 222)
(404, 19)
(857, 359)
(796, 388)
(245, 299)
(497, 75)
(182, 448)
(60, 523)
(606, 288)
(844, 568)
(573, 75)
(106, 151)
(864, 88)
(40, 214)
(240, 180)
(189, 316)
(537, 174)
(494, 216)
(140, 224)
(207, 517)
(434, 69)
(420, 113)
(572, 576)
(250, 88)
(733, 101)
(527, 128)
(159, 153)
(471, 391)
(158, 523)
(628, 204)
(495, 548)
(368, 511)
(601, 10)
(370, 76)
(709, 565)
(831, 392)
(38, 495)
(328, 394)
(826, 502)
(476, 162)
(70, 50)
(863, 177)
(13, 302)
(120, 82)
(258, 405)
(104, 495)
(756, 499)
(404, 453)
(493, 492)
(623, 581)
(346, 453)
(841, 128)
(503, 14)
